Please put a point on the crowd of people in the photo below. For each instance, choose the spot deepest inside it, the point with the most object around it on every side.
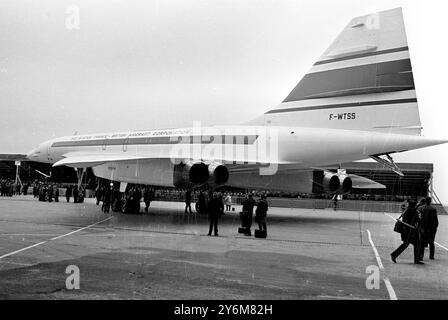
(43, 191)
(418, 226)
(104, 194)
(9, 188)
(217, 204)
(130, 202)
(51, 191)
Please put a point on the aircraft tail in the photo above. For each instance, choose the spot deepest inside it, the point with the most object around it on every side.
(363, 81)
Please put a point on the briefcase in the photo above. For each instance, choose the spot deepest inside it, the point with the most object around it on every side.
(260, 234)
(400, 227)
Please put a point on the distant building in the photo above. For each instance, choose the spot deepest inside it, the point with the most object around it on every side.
(29, 171)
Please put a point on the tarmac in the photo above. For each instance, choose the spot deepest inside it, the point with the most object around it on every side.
(166, 254)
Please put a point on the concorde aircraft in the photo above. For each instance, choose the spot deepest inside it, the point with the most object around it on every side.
(358, 101)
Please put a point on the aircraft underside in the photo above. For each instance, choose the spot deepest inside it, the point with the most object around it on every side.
(163, 172)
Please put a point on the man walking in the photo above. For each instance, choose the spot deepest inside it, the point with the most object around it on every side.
(188, 201)
(429, 225)
(411, 235)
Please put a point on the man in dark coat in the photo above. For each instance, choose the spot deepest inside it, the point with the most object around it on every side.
(81, 194)
(410, 235)
(106, 200)
(248, 210)
(42, 192)
(35, 190)
(25, 189)
(68, 193)
(137, 200)
(215, 208)
(75, 194)
(56, 194)
(98, 192)
(429, 225)
(261, 213)
(50, 193)
(202, 203)
(147, 197)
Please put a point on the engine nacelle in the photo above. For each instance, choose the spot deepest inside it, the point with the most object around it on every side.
(330, 182)
(219, 174)
(189, 174)
(346, 183)
(193, 173)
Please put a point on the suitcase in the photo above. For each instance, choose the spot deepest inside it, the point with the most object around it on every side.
(260, 234)
(242, 230)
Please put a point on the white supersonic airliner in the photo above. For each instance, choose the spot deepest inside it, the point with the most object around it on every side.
(358, 101)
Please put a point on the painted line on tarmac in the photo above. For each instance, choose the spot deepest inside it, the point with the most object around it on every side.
(386, 280)
(377, 256)
(28, 234)
(78, 230)
(441, 246)
(52, 239)
(17, 263)
(23, 249)
(438, 244)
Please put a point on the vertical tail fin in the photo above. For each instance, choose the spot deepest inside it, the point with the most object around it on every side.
(363, 81)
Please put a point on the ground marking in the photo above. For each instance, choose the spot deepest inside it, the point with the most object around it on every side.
(52, 239)
(389, 287)
(441, 246)
(27, 234)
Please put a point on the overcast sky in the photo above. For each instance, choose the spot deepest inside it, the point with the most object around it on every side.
(156, 64)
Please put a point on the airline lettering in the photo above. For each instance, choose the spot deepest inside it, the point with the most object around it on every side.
(342, 116)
